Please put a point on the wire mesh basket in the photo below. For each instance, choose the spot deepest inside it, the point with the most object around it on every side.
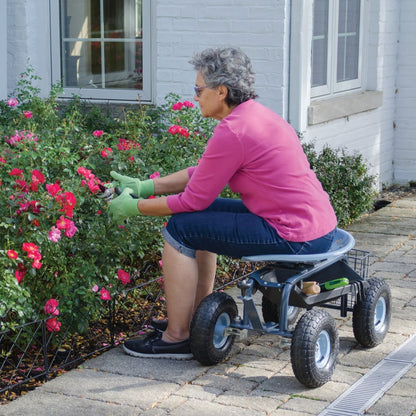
(359, 261)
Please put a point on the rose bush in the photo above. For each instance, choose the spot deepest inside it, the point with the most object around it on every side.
(59, 245)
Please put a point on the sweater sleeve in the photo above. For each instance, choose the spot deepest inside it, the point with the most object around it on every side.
(191, 171)
(221, 159)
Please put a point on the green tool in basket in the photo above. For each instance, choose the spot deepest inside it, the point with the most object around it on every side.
(333, 284)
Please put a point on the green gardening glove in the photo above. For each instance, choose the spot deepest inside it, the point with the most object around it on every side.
(141, 189)
(123, 207)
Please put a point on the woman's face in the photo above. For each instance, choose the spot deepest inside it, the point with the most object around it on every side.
(211, 101)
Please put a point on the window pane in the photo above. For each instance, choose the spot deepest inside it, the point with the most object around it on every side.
(77, 21)
(320, 42)
(114, 19)
(123, 63)
(82, 64)
(348, 40)
(102, 43)
(93, 7)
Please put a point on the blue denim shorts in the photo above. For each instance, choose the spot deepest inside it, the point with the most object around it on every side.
(227, 227)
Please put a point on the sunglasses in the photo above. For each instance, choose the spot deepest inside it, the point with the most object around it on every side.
(198, 90)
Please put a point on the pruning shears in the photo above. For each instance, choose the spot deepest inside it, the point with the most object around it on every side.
(108, 193)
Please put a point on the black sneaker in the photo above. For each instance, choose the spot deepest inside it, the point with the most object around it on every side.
(152, 346)
(159, 325)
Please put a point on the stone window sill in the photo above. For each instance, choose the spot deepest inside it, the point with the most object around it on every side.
(323, 110)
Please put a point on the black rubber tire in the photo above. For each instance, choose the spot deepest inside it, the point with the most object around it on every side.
(213, 315)
(314, 349)
(271, 312)
(371, 315)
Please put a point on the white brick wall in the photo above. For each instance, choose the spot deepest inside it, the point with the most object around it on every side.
(3, 49)
(405, 117)
(372, 133)
(386, 136)
(188, 26)
(28, 40)
(16, 40)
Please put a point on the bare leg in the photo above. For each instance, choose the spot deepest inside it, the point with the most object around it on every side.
(181, 282)
(187, 281)
(207, 265)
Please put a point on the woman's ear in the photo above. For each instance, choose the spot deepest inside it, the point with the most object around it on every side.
(222, 91)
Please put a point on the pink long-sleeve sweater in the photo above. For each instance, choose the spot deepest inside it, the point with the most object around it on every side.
(259, 156)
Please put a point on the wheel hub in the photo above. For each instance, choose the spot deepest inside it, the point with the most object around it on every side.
(219, 338)
(380, 314)
(322, 349)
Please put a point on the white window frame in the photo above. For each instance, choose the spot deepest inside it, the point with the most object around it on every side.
(332, 86)
(3, 49)
(105, 94)
(303, 111)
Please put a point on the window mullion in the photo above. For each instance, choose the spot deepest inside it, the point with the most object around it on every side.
(103, 80)
(147, 51)
(351, 84)
(332, 70)
(324, 89)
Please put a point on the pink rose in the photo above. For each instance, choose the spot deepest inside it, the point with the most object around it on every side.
(123, 276)
(20, 272)
(12, 254)
(183, 132)
(53, 189)
(54, 234)
(173, 129)
(51, 307)
(105, 294)
(16, 172)
(53, 325)
(177, 106)
(107, 151)
(70, 230)
(97, 133)
(12, 102)
(62, 223)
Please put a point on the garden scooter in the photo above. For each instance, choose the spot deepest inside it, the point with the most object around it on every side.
(341, 274)
(288, 284)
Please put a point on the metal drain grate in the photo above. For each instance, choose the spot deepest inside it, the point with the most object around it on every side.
(366, 391)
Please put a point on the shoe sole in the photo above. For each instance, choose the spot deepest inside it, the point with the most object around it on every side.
(171, 356)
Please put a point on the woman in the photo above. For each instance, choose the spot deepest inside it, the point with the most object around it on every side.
(283, 208)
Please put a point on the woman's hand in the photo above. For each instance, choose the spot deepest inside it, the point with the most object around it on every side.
(142, 189)
(123, 207)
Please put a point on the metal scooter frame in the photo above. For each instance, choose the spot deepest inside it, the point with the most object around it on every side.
(322, 267)
(314, 340)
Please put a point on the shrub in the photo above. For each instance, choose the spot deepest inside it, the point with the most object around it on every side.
(57, 240)
(346, 179)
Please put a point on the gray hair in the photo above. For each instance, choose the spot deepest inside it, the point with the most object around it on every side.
(227, 66)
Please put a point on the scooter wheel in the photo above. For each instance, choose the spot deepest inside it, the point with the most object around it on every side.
(314, 348)
(209, 344)
(371, 315)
